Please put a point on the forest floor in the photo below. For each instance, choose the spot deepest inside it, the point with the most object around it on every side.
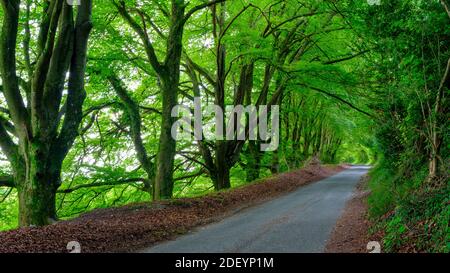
(351, 233)
(136, 226)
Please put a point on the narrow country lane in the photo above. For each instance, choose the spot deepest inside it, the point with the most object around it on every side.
(301, 221)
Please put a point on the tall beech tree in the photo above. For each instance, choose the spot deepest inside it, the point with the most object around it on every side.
(168, 72)
(219, 157)
(44, 120)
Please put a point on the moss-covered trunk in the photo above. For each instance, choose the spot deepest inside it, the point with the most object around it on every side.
(167, 144)
(131, 109)
(44, 132)
(39, 180)
(169, 75)
(37, 202)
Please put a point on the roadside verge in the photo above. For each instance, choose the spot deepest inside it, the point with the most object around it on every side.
(351, 233)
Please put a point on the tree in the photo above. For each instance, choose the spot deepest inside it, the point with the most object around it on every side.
(168, 73)
(42, 119)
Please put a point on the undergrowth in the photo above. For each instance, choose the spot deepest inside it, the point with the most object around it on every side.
(413, 215)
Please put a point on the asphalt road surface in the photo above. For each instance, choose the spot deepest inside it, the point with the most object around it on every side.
(301, 221)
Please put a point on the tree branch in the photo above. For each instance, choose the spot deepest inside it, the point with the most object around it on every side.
(8, 126)
(101, 184)
(76, 93)
(273, 29)
(163, 9)
(202, 171)
(446, 77)
(8, 70)
(47, 36)
(200, 7)
(131, 109)
(445, 83)
(199, 69)
(97, 107)
(339, 99)
(347, 58)
(224, 31)
(58, 66)
(148, 46)
(7, 181)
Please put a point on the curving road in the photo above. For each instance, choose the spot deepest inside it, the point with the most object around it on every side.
(301, 221)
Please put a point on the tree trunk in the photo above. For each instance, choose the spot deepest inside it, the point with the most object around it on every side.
(254, 161)
(222, 178)
(37, 202)
(37, 188)
(433, 168)
(441, 104)
(169, 75)
(253, 170)
(275, 165)
(167, 145)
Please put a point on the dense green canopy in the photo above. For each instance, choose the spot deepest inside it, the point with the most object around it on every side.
(87, 92)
